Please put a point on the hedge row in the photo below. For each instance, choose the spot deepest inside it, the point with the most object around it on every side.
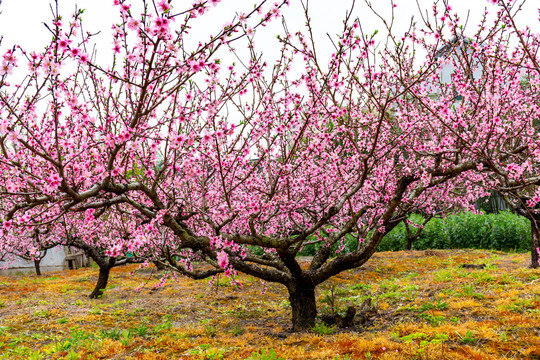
(502, 231)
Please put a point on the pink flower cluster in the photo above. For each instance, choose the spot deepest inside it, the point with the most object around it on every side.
(8, 63)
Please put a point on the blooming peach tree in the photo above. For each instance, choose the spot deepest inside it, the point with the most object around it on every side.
(492, 106)
(222, 167)
(517, 162)
(53, 93)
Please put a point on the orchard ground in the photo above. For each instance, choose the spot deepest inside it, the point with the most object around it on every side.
(429, 307)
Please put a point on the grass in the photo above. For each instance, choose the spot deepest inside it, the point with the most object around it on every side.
(429, 307)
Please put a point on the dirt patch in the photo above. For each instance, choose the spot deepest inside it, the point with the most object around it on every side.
(427, 306)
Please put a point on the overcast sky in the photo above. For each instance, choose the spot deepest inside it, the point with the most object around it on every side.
(21, 21)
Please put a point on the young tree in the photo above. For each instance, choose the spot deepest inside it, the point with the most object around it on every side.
(107, 242)
(240, 166)
(33, 249)
(105, 238)
(35, 253)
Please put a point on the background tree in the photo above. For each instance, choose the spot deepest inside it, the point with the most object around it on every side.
(496, 74)
(35, 253)
(33, 249)
(517, 172)
(107, 242)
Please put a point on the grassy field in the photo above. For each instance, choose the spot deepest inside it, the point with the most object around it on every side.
(429, 307)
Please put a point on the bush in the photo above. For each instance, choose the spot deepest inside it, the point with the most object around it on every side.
(503, 231)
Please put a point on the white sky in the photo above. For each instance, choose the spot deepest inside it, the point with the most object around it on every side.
(21, 21)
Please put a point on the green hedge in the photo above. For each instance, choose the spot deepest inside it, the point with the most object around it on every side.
(502, 231)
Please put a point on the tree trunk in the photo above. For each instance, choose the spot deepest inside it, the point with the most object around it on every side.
(101, 283)
(535, 243)
(159, 266)
(304, 307)
(36, 265)
(103, 278)
(409, 243)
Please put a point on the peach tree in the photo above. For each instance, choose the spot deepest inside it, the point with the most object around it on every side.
(221, 166)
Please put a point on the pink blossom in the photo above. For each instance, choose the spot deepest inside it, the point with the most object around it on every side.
(164, 6)
(52, 182)
(206, 138)
(83, 58)
(89, 215)
(179, 139)
(222, 259)
(134, 24)
(161, 22)
(6, 68)
(63, 44)
(9, 57)
(195, 65)
(7, 224)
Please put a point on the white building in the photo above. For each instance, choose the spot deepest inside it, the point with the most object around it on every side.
(455, 47)
(57, 258)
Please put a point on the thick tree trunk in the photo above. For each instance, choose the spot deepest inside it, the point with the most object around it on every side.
(535, 243)
(304, 307)
(101, 283)
(36, 265)
(103, 278)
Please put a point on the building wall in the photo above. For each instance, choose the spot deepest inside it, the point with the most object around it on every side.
(54, 257)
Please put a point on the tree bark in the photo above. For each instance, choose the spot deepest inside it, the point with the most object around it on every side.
(103, 278)
(535, 243)
(304, 307)
(36, 265)
(409, 243)
(159, 266)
